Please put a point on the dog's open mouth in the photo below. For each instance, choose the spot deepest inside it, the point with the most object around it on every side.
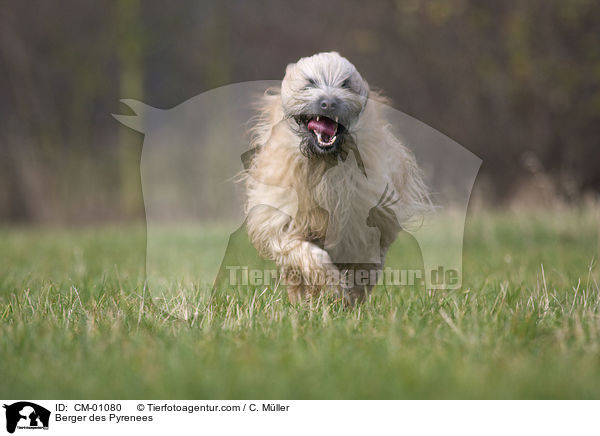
(326, 132)
(324, 129)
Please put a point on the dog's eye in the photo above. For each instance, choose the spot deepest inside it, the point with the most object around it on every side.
(346, 83)
(310, 84)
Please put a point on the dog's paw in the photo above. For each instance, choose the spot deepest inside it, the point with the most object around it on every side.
(317, 266)
(317, 255)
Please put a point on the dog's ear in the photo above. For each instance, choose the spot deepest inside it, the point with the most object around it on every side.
(289, 68)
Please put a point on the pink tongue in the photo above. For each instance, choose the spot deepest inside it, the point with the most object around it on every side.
(323, 126)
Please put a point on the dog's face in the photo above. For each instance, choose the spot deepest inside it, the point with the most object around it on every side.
(323, 96)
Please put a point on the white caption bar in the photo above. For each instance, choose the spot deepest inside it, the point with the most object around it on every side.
(297, 417)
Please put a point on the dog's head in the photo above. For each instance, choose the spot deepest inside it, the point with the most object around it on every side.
(323, 96)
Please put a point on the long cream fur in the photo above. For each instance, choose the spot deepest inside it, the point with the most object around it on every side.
(306, 215)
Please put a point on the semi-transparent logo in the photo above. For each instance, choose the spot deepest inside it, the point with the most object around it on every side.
(192, 157)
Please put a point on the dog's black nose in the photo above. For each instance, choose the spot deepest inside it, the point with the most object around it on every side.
(328, 103)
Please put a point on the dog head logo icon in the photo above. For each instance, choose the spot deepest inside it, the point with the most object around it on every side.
(26, 415)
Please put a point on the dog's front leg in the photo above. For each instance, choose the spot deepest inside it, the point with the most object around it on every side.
(306, 269)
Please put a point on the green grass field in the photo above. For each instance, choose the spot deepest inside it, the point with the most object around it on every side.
(76, 322)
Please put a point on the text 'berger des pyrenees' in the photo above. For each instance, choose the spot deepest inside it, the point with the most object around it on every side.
(323, 135)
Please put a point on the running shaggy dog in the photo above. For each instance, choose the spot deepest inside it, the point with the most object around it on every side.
(322, 135)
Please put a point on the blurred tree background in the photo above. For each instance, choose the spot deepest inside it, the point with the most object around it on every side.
(516, 82)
